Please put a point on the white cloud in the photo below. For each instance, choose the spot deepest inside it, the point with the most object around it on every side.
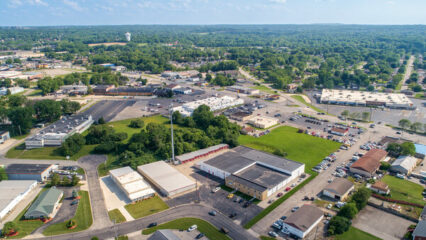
(278, 1)
(391, 2)
(73, 5)
(14, 3)
(38, 2)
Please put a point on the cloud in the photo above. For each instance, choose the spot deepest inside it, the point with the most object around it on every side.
(38, 2)
(278, 1)
(14, 3)
(391, 2)
(73, 5)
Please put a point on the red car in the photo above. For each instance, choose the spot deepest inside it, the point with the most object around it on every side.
(280, 194)
(287, 189)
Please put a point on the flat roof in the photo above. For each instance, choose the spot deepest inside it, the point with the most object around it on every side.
(27, 168)
(262, 176)
(13, 188)
(230, 162)
(304, 217)
(194, 154)
(125, 175)
(362, 97)
(165, 176)
(420, 148)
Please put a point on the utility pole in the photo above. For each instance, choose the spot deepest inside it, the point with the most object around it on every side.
(171, 129)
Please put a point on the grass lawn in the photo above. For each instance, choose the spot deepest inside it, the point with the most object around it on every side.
(266, 238)
(302, 100)
(27, 227)
(146, 207)
(209, 230)
(36, 92)
(404, 190)
(355, 234)
(264, 88)
(299, 147)
(83, 218)
(116, 215)
(21, 136)
(49, 153)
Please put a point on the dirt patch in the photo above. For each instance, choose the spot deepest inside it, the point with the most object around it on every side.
(107, 44)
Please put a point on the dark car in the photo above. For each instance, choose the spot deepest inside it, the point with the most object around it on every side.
(213, 213)
(241, 200)
(199, 236)
(232, 215)
(283, 218)
(74, 202)
(153, 224)
(224, 230)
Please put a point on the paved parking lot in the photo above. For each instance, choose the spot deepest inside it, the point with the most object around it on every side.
(108, 109)
(381, 224)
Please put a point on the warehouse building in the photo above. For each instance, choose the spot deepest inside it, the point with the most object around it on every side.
(166, 179)
(131, 183)
(215, 103)
(37, 172)
(202, 153)
(338, 189)
(73, 90)
(46, 204)
(245, 90)
(369, 163)
(339, 131)
(404, 164)
(253, 172)
(56, 133)
(263, 121)
(303, 221)
(12, 193)
(241, 116)
(359, 98)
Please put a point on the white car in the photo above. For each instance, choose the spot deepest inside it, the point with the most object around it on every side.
(192, 228)
(215, 189)
(329, 206)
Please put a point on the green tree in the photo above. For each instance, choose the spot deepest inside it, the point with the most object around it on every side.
(208, 77)
(72, 145)
(16, 100)
(361, 197)
(101, 120)
(75, 180)
(416, 127)
(338, 225)
(177, 118)
(348, 211)
(66, 181)
(47, 110)
(408, 148)
(9, 228)
(3, 174)
(138, 123)
(202, 116)
(345, 113)
(22, 119)
(56, 180)
(404, 123)
(385, 166)
(365, 116)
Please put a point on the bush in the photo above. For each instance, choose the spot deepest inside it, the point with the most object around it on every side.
(71, 223)
(385, 166)
(361, 197)
(10, 227)
(106, 147)
(72, 145)
(348, 211)
(338, 225)
(138, 123)
(280, 153)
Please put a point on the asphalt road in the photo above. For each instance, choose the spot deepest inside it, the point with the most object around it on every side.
(108, 109)
(192, 210)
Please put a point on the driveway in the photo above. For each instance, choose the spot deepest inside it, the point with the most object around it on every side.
(99, 210)
(381, 224)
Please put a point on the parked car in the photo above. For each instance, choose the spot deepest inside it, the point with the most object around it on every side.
(74, 202)
(287, 189)
(280, 194)
(215, 189)
(153, 224)
(192, 228)
(294, 209)
(241, 200)
(213, 213)
(231, 195)
(224, 230)
(400, 176)
(329, 206)
(273, 234)
(199, 236)
(232, 215)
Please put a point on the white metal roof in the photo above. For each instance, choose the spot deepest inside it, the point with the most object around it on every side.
(11, 189)
(361, 97)
(406, 162)
(125, 175)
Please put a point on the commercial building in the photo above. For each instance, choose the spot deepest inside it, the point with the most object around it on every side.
(46, 204)
(241, 116)
(359, 98)
(4, 136)
(202, 153)
(12, 193)
(131, 183)
(167, 234)
(56, 133)
(380, 187)
(167, 179)
(369, 163)
(263, 121)
(73, 90)
(253, 172)
(404, 164)
(215, 103)
(420, 231)
(303, 221)
(11, 90)
(102, 89)
(338, 189)
(130, 91)
(37, 172)
(245, 90)
(339, 131)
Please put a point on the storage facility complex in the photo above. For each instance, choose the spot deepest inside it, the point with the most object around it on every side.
(56, 133)
(12, 193)
(360, 98)
(404, 164)
(131, 183)
(253, 172)
(301, 222)
(46, 204)
(338, 189)
(166, 179)
(38, 172)
(369, 163)
(215, 103)
(202, 153)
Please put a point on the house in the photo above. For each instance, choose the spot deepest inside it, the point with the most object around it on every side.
(247, 130)
(368, 164)
(420, 231)
(339, 189)
(380, 187)
(303, 221)
(46, 205)
(4, 136)
(339, 131)
(404, 164)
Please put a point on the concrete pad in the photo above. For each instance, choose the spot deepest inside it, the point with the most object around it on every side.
(116, 197)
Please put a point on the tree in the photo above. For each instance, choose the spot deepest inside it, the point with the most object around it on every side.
(361, 197)
(404, 123)
(48, 110)
(22, 119)
(75, 180)
(338, 225)
(348, 211)
(16, 100)
(385, 166)
(408, 148)
(66, 181)
(177, 118)
(69, 107)
(56, 180)
(138, 123)
(94, 238)
(416, 127)
(208, 77)
(345, 113)
(365, 116)
(202, 116)
(3, 174)
(101, 120)
(71, 223)
(280, 152)
(72, 145)
(10, 228)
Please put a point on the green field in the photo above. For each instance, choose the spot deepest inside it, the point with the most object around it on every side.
(404, 190)
(209, 230)
(264, 88)
(356, 234)
(299, 147)
(48, 153)
(83, 218)
(116, 215)
(302, 100)
(146, 207)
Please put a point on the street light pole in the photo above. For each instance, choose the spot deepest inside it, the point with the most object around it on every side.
(171, 129)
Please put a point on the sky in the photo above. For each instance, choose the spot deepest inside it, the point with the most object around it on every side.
(194, 12)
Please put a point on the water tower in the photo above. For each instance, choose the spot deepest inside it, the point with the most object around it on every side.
(128, 36)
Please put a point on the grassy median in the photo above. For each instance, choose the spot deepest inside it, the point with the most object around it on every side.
(209, 230)
(116, 215)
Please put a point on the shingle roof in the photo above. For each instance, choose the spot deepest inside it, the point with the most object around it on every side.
(380, 186)
(339, 186)
(45, 203)
(305, 217)
(420, 230)
(370, 162)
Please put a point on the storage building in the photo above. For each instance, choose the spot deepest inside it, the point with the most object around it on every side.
(263, 121)
(166, 178)
(339, 131)
(404, 164)
(46, 204)
(12, 192)
(338, 189)
(131, 183)
(202, 153)
(38, 172)
(303, 221)
(369, 163)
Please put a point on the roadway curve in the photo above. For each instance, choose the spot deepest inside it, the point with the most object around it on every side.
(190, 210)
